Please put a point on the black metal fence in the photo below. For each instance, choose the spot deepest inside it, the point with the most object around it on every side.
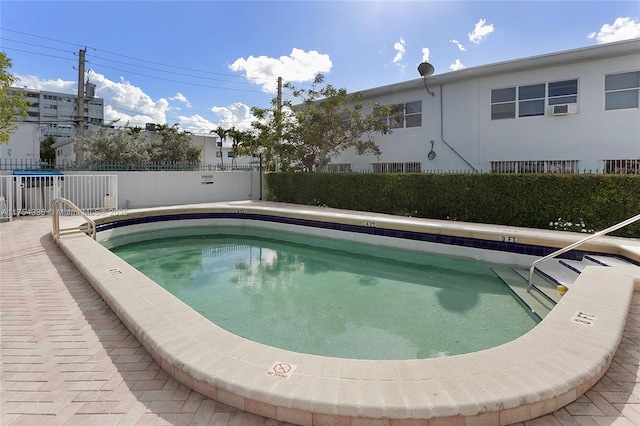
(34, 165)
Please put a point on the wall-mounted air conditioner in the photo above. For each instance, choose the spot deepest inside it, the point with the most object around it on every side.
(563, 109)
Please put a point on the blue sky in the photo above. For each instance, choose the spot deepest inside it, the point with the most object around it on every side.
(206, 63)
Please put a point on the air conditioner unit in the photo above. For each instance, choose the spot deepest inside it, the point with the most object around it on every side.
(563, 109)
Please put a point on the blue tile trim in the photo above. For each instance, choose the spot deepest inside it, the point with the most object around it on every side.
(510, 247)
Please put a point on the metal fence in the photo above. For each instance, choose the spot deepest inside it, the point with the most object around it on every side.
(31, 164)
(32, 194)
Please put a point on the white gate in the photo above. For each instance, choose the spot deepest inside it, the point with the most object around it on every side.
(32, 194)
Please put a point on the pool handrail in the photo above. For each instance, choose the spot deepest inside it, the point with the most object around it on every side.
(57, 232)
(578, 243)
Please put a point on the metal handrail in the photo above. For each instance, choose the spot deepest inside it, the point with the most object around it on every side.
(57, 232)
(577, 243)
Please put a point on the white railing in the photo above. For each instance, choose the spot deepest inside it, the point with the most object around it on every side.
(63, 204)
(32, 194)
(534, 166)
(578, 243)
(6, 197)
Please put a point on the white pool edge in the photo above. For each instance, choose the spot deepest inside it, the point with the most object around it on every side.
(540, 372)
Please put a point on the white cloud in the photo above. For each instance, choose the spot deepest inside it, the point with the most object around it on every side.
(457, 43)
(400, 50)
(129, 102)
(125, 104)
(181, 98)
(196, 124)
(425, 54)
(457, 65)
(33, 82)
(480, 31)
(237, 115)
(299, 66)
(621, 29)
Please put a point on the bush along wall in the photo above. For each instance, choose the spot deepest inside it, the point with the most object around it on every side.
(582, 203)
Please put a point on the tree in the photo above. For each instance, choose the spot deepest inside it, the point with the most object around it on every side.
(47, 153)
(222, 134)
(326, 122)
(240, 143)
(12, 105)
(268, 129)
(115, 147)
(173, 146)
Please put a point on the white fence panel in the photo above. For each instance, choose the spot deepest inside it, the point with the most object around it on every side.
(32, 195)
(91, 193)
(6, 197)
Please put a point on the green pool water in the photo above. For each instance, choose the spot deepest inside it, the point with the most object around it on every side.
(333, 298)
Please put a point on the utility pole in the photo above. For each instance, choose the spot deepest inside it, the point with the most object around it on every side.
(80, 116)
(279, 94)
(279, 116)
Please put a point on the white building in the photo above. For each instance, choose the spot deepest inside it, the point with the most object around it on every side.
(570, 112)
(213, 155)
(49, 113)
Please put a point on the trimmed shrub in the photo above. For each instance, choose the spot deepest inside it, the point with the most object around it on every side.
(527, 200)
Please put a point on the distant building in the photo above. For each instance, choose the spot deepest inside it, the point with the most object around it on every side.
(50, 113)
(564, 112)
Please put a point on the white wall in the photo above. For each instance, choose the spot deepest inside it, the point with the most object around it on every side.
(590, 135)
(465, 125)
(151, 189)
(24, 143)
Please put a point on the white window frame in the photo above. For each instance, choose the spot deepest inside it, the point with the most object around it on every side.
(613, 91)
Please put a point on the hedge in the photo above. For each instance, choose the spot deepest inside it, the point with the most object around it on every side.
(527, 200)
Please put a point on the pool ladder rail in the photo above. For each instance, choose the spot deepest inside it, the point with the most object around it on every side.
(615, 227)
(89, 227)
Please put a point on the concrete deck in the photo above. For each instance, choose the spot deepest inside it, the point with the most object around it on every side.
(67, 358)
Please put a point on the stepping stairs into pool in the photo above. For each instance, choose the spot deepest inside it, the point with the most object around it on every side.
(544, 294)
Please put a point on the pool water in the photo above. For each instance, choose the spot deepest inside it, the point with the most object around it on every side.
(333, 298)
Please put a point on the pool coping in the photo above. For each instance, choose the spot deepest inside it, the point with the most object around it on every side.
(547, 368)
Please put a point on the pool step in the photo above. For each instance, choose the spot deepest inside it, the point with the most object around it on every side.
(565, 272)
(540, 299)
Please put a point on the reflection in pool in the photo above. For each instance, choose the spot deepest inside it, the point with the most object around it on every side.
(334, 298)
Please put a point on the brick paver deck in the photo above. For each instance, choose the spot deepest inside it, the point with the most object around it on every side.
(66, 359)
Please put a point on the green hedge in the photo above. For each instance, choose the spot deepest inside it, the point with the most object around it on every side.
(528, 200)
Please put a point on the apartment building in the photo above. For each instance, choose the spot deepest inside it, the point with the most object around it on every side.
(51, 113)
(564, 112)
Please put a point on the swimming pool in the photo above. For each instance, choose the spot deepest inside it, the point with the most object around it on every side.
(332, 298)
(545, 369)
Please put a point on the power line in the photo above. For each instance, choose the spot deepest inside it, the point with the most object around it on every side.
(141, 74)
(117, 54)
(177, 81)
(133, 58)
(170, 72)
(37, 53)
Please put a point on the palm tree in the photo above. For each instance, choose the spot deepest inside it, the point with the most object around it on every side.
(222, 134)
(237, 137)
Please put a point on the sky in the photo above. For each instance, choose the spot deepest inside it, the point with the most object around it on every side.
(204, 64)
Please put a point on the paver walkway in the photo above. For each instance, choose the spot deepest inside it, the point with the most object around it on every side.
(66, 359)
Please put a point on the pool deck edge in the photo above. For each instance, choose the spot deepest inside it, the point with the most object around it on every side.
(560, 362)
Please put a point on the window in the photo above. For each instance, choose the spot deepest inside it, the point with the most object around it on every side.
(531, 99)
(621, 91)
(563, 92)
(396, 167)
(534, 166)
(503, 103)
(628, 166)
(413, 114)
(230, 154)
(339, 167)
(404, 115)
(218, 154)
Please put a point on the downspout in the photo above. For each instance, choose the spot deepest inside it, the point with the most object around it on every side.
(442, 132)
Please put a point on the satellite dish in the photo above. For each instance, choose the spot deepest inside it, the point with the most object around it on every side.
(426, 69)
